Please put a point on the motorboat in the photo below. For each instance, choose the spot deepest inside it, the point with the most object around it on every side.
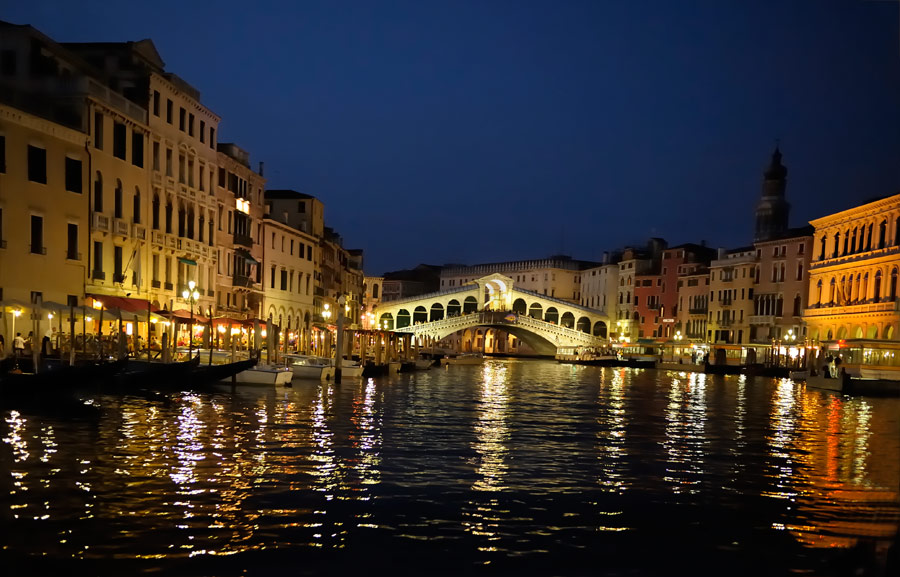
(423, 364)
(264, 374)
(351, 369)
(465, 359)
(307, 366)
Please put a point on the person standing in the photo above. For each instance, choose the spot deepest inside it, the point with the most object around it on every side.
(19, 345)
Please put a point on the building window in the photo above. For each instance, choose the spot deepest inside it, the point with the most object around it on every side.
(119, 134)
(156, 103)
(137, 149)
(73, 175)
(72, 244)
(98, 131)
(98, 193)
(169, 110)
(37, 235)
(154, 214)
(202, 131)
(190, 125)
(37, 164)
(136, 206)
(273, 276)
(117, 199)
(212, 138)
(8, 62)
(182, 116)
(169, 162)
(284, 282)
(118, 275)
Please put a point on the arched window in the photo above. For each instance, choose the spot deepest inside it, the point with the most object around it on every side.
(882, 234)
(155, 212)
(821, 254)
(846, 242)
(864, 288)
(190, 222)
(869, 238)
(779, 306)
(98, 192)
(853, 241)
(118, 209)
(892, 290)
(182, 220)
(798, 311)
(897, 231)
(837, 244)
(136, 206)
(876, 293)
(375, 291)
(169, 216)
(200, 227)
(831, 291)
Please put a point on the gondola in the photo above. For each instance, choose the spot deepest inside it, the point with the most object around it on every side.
(141, 374)
(206, 374)
(61, 378)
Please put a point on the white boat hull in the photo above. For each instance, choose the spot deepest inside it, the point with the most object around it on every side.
(265, 375)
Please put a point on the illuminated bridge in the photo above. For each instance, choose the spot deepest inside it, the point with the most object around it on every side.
(543, 322)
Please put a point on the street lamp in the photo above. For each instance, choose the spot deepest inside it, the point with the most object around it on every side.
(326, 314)
(191, 295)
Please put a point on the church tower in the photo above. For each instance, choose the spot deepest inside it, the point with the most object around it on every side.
(772, 210)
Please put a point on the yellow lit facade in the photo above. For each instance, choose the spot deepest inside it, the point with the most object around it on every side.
(853, 273)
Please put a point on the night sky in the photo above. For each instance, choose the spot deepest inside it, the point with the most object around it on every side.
(482, 131)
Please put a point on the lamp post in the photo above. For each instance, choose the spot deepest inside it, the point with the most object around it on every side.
(15, 314)
(339, 343)
(191, 295)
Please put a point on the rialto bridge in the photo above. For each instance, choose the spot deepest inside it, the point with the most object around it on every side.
(543, 322)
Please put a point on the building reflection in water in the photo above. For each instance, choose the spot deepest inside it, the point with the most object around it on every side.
(686, 440)
(482, 515)
(367, 437)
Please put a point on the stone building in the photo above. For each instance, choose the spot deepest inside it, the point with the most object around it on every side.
(731, 278)
(853, 273)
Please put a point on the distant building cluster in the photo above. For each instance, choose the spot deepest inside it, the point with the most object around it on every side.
(833, 279)
(113, 183)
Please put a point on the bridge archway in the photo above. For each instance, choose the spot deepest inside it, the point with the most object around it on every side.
(470, 305)
(536, 311)
(437, 312)
(568, 320)
(420, 315)
(600, 329)
(386, 318)
(519, 307)
(403, 318)
(583, 325)
(453, 308)
(552, 315)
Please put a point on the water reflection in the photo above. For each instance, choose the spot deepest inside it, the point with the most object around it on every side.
(612, 442)
(686, 443)
(483, 514)
(367, 437)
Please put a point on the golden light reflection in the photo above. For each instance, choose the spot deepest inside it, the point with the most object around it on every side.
(611, 438)
(686, 441)
(492, 435)
(367, 438)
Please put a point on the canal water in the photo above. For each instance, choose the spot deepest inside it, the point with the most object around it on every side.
(520, 467)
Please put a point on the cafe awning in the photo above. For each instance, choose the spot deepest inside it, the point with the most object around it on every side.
(184, 315)
(186, 260)
(123, 303)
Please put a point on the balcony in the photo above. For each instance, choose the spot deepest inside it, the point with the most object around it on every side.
(725, 301)
(157, 238)
(242, 281)
(139, 231)
(38, 249)
(766, 320)
(319, 291)
(119, 277)
(171, 241)
(154, 284)
(71, 255)
(243, 240)
(863, 308)
(168, 286)
(98, 275)
(698, 311)
(211, 293)
(120, 227)
(101, 222)
(724, 322)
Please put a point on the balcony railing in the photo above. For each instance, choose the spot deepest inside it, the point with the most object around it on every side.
(154, 284)
(762, 319)
(156, 237)
(243, 239)
(698, 311)
(725, 301)
(168, 286)
(120, 227)
(71, 255)
(118, 277)
(101, 222)
(38, 249)
(851, 309)
(139, 231)
(724, 322)
(242, 281)
(98, 275)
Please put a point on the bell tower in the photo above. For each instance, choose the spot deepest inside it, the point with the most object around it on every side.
(772, 210)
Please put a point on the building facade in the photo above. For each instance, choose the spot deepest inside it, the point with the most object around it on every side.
(781, 281)
(853, 273)
(731, 296)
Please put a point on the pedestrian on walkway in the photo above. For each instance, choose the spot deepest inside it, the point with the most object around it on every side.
(19, 345)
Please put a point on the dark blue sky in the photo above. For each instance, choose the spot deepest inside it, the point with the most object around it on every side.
(492, 130)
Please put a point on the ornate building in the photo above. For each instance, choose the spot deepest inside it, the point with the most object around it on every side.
(853, 273)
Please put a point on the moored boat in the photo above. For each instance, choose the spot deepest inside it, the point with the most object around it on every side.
(307, 366)
(263, 374)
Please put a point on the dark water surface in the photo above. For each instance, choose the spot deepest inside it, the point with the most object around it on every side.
(513, 467)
